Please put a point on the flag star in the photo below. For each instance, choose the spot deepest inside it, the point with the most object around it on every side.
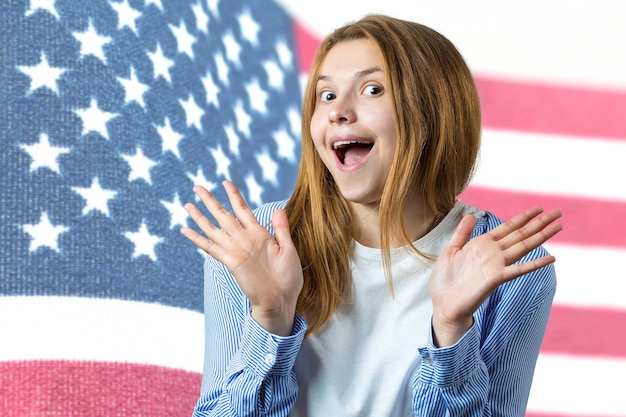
(269, 167)
(144, 242)
(295, 120)
(200, 179)
(140, 166)
(157, 3)
(134, 90)
(275, 75)
(170, 137)
(222, 162)
(249, 27)
(285, 56)
(47, 5)
(257, 96)
(254, 190)
(184, 39)
(193, 112)
(233, 139)
(178, 214)
(202, 19)
(44, 234)
(92, 43)
(126, 15)
(212, 4)
(211, 89)
(96, 197)
(44, 155)
(161, 64)
(43, 75)
(285, 144)
(222, 68)
(94, 119)
(243, 119)
(233, 49)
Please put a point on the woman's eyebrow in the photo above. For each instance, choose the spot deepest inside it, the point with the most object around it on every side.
(358, 74)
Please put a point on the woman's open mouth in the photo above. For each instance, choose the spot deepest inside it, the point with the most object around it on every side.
(351, 152)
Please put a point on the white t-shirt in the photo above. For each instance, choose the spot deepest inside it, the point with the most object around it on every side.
(363, 361)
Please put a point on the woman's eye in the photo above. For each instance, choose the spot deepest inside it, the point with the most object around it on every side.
(373, 90)
(327, 95)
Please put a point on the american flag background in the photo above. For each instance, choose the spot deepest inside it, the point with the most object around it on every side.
(110, 110)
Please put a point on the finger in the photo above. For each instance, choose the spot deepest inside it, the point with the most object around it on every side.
(197, 239)
(462, 233)
(240, 208)
(200, 219)
(536, 226)
(226, 220)
(515, 223)
(517, 270)
(517, 251)
(282, 234)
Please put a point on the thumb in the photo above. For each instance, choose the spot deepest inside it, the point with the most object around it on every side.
(463, 232)
(282, 234)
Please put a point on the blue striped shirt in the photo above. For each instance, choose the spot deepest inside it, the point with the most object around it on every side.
(250, 372)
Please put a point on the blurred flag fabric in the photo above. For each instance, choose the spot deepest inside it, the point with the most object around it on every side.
(110, 111)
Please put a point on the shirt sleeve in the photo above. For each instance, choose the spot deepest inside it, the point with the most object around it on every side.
(247, 371)
(489, 371)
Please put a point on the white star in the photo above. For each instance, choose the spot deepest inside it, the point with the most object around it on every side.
(249, 27)
(233, 49)
(184, 39)
(91, 43)
(47, 5)
(254, 190)
(211, 89)
(285, 56)
(243, 119)
(134, 90)
(140, 166)
(275, 75)
(126, 15)
(42, 75)
(222, 68)
(94, 119)
(202, 19)
(295, 120)
(96, 197)
(285, 144)
(200, 179)
(269, 167)
(170, 137)
(161, 64)
(44, 234)
(222, 162)
(212, 5)
(157, 3)
(193, 112)
(177, 212)
(233, 139)
(144, 242)
(257, 96)
(44, 155)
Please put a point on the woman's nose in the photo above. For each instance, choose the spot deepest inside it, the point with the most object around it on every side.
(342, 112)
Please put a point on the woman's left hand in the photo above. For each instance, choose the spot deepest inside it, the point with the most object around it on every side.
(467, 272)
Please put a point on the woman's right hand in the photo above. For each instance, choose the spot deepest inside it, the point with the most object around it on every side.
(267, 268)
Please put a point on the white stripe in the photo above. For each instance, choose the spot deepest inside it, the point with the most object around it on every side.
(72, 328)
(569, 385)
(589, 276)
(533, 39)
(551, 164)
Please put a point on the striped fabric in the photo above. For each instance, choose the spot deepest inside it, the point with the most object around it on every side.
(487, 373)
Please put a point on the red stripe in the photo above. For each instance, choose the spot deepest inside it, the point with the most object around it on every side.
(586, 221)
(552, 109)
(65, 388)
(525, 106)
(586, 331)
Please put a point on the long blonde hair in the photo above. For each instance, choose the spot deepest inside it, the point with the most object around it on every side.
(437, 114)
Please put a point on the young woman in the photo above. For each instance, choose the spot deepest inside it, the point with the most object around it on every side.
(372, 291)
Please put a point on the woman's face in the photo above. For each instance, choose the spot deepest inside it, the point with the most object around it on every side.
(353, 125)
